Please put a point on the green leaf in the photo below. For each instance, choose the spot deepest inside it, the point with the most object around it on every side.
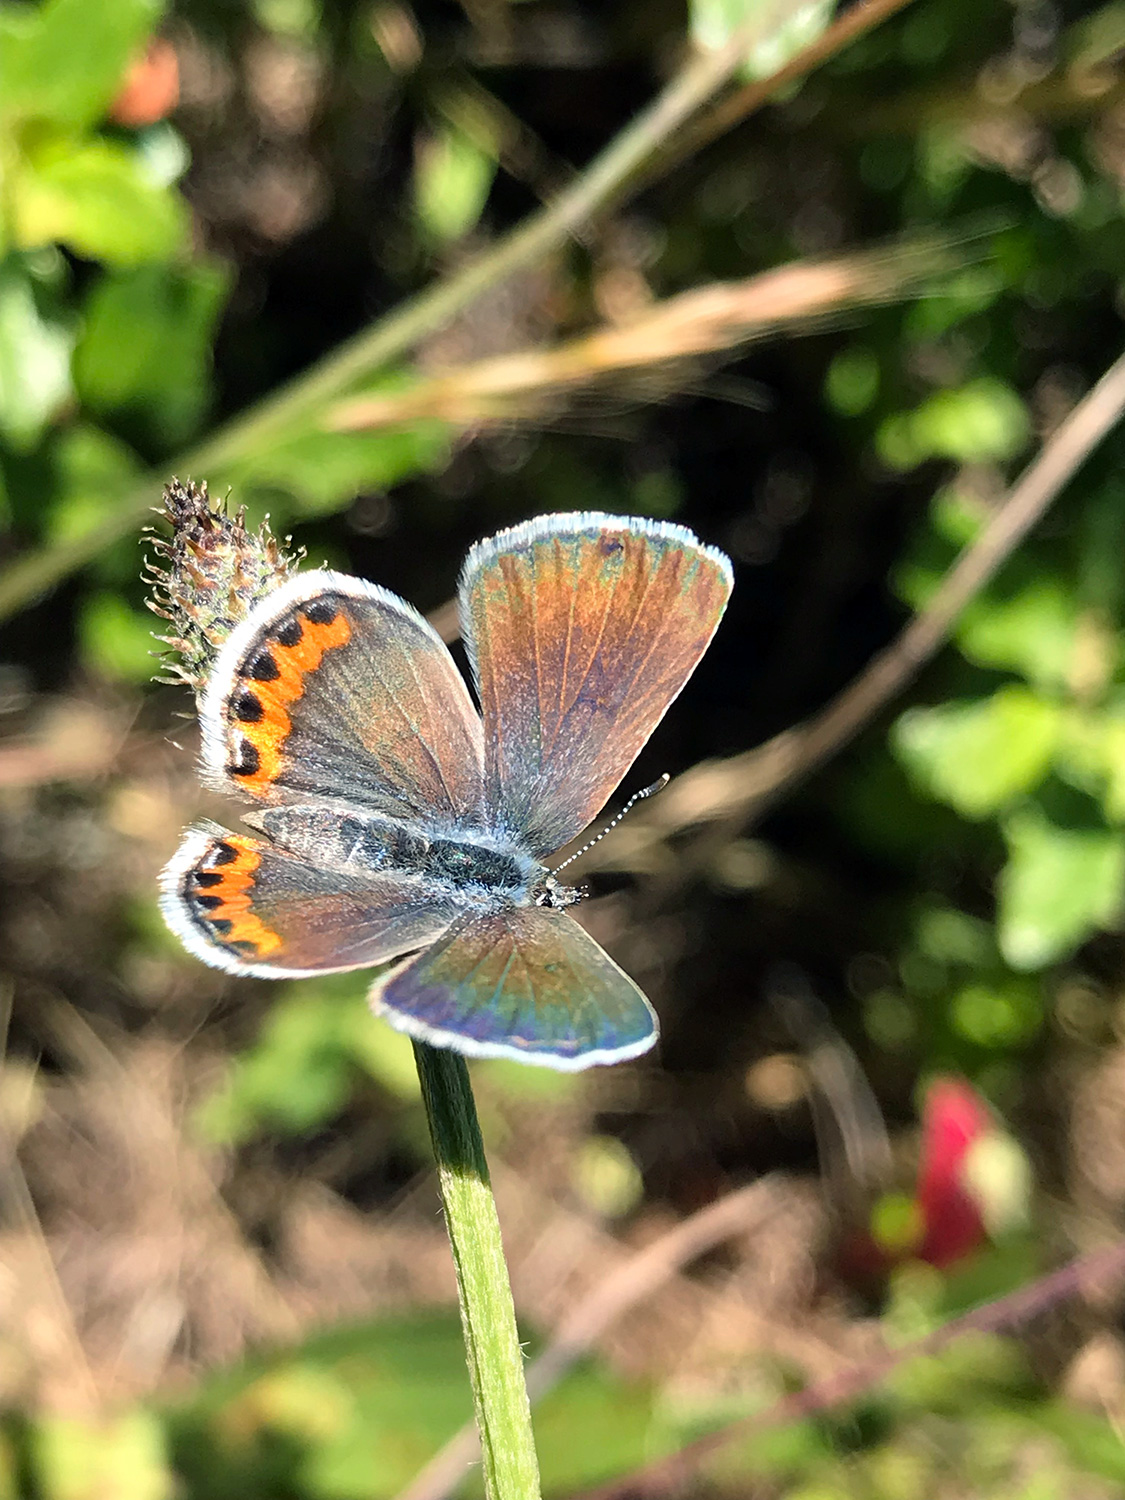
(957, 518)
(322, 472)
(1093, 1443)
(94, 474)
(606, 1177)
(35, 350)
(979, 755)
(1092, 756)
(981, 422)
(1002, 1012)
(852, 383)
(318, 1039)
(293, 1079)
(385, 1055)
(897, 1225)
(98, 199)
(1031, 632)
(959, 297)
(122, 1456)
(452, 178)
(146, 346)
(353, 1414)
(1027, 621)
(64, 61)
(115, 640)
(93, 469)
(616, 1425)
(950, 937)
(1059, 886)
(289, 18)
(713, 22)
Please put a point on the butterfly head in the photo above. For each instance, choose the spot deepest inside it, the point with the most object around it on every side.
(554, 894)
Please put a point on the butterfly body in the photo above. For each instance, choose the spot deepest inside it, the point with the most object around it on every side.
(479, 872)
(394, 817)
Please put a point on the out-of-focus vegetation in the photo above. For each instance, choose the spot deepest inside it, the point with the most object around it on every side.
(221, 1272)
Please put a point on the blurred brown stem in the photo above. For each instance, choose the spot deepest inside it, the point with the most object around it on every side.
(668, 1474)
(60, 1349)
(707, 322)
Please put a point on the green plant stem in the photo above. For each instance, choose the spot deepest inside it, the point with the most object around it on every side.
(604, 182)
(488, 1317)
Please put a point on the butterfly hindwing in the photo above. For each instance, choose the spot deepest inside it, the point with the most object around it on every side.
(244, 905)
(582, 630)
(525, 983)
(333, 687)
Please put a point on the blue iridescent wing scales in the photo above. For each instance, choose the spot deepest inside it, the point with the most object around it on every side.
(525, 983)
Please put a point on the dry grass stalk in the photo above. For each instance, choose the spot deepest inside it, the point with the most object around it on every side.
(707, 323)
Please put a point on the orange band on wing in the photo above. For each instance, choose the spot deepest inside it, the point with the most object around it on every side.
(221, 892)
(269, 682)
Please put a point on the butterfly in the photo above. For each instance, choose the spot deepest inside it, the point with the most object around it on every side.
(392, 818)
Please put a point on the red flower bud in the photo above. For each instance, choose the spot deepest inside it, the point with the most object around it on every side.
(953, 1118)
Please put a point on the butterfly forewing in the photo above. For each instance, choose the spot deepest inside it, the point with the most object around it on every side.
(244, 905)
(582, 630)
(335, 688)
(526, 983)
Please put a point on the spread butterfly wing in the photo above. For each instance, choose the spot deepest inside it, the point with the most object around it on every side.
(582, 629)
(333, 687)
(525, 983)
(243, 905)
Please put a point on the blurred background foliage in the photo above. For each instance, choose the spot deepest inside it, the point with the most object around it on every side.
(220, 1269)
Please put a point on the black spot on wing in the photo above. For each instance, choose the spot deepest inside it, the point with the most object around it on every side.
(320, 611)
(248, 762)
(247, 708)
(262, 668)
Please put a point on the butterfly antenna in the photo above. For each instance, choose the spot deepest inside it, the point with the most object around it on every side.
(645, 792)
